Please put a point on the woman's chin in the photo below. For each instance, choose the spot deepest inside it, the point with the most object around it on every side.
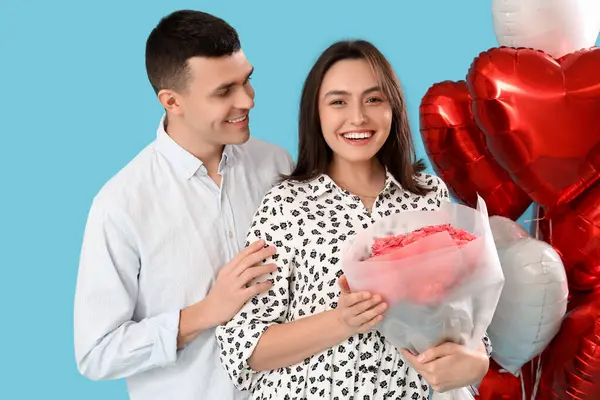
(356, 157)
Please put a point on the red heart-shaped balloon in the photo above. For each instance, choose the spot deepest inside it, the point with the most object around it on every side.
(571, 364)
(459, 155)
(575, 234)
(541, 119)
(499, 384)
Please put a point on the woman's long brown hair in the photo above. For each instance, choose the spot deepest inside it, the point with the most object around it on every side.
(397, 153)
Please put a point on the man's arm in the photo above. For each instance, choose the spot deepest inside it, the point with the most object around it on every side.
(108, 343)
(231, 291)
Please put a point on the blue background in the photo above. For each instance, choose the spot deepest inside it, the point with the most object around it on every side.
(76, 106)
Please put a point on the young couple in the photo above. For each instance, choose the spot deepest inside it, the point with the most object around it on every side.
(167, 294)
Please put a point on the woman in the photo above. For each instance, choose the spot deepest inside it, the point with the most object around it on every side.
(310, 336)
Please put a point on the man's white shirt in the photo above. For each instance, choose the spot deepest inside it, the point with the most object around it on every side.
(156, 236)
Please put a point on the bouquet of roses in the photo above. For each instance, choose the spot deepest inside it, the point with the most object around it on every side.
(438, 271)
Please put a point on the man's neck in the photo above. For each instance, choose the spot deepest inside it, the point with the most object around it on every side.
(209, 153)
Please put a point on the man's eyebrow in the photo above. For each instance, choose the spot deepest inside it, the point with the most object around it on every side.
(228, 85)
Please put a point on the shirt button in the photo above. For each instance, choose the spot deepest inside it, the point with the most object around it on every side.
(230, 234)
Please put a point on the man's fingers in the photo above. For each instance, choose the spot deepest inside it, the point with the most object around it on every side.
(253, 259)
(256, 289)
(251, 273)
(252, 248)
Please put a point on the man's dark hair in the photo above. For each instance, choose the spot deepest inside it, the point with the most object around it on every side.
(180, 36)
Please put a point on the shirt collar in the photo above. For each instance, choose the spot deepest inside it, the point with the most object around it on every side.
(323, 184)
(230, 154)
(390, 181)
(185, 162)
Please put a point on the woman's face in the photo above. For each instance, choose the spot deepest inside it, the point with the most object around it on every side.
(355, 116)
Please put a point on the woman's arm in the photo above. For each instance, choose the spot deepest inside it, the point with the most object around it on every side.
(288, 344)
(239, 337)
(259, 338)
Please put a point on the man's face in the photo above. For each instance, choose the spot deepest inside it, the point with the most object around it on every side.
(216, 103)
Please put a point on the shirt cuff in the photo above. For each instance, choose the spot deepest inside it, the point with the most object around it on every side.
(164, 351)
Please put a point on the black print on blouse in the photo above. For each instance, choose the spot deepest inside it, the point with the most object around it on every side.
(309, 224)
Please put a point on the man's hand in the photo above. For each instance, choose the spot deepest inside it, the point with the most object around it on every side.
(231, 291)
(450, 366)
(232, 288)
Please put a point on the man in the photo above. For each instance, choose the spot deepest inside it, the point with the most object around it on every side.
(150, 289)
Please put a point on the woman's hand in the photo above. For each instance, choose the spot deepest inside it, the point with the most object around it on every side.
(358, 312)
(286, 344)
(450, 366)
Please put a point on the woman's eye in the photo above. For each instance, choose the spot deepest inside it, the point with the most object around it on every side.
(374, 100)
(337, 102)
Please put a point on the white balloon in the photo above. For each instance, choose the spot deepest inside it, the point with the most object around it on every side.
(534, 298)
(557, 27)
(505, 231)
